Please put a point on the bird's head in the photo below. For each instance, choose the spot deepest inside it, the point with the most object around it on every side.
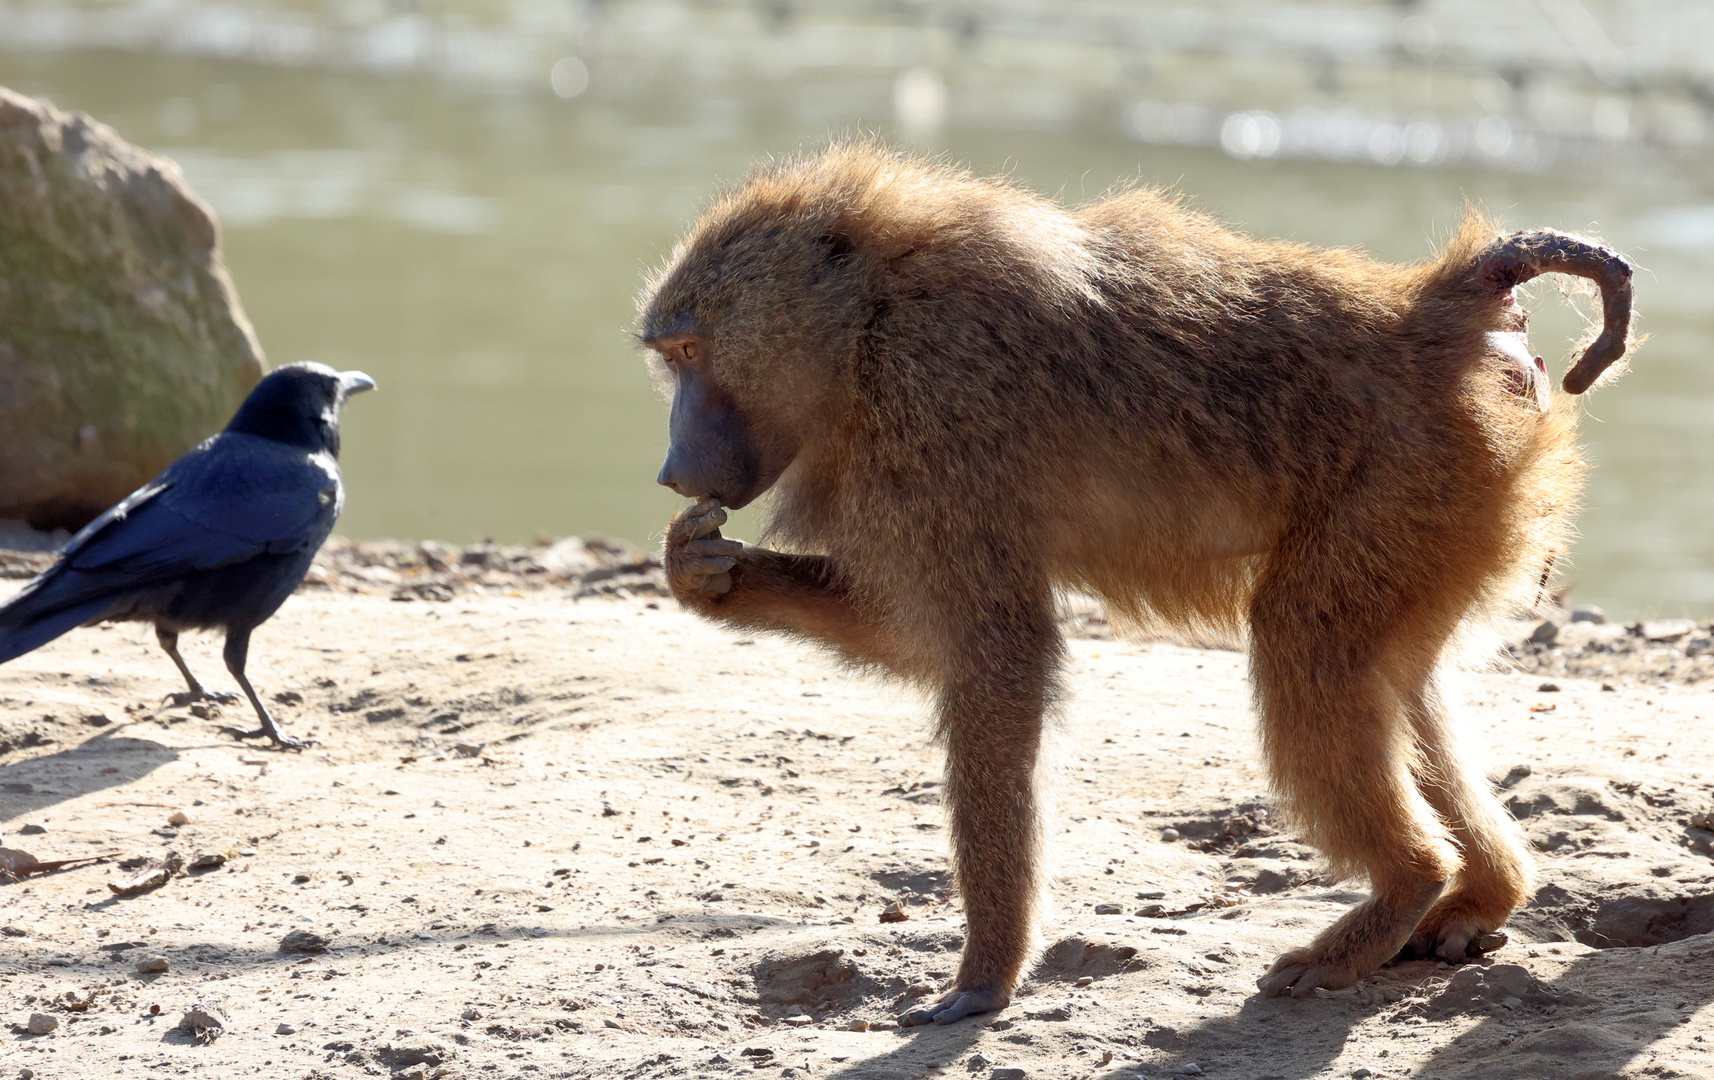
(298, 405)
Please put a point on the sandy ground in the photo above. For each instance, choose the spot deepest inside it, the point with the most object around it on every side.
(551, 836)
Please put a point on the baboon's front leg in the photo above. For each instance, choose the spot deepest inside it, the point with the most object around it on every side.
(992, 721)
(758, 589)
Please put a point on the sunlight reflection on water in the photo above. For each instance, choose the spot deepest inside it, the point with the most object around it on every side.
(460, 211)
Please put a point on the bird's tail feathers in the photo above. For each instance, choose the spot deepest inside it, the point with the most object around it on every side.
(25, 626)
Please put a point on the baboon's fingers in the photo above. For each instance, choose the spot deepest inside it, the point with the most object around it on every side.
(714, 546)
(710, 519)
(694, 522)
(1518, 258)
(717, 564)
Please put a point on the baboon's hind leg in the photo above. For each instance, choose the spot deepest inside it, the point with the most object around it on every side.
(1339, 748)
(1495, 876)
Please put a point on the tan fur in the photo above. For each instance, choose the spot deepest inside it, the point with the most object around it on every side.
(988, 397)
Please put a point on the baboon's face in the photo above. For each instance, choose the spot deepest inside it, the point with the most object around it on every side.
(713, 450)
(756, 327)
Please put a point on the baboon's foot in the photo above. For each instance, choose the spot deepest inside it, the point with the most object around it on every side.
(1365, 938)
(1459, 928)
(279, 738)
(183, 698)
(957, 1005)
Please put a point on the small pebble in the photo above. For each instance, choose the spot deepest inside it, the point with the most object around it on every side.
(1008, 1074)
(151, 965)
(1109, 909)
(917, 990)
(470, 1014)
(1191, 1068)
(303, 941)
(205, 1017)
(285, 1029)
(1087, 980)
(208, 860)
(1359, 1073)
(798, 1021)
(1548, 688)
(1169, 835)
(178, 817)
(31, 830)
(1152, 894)
(41, 1023)
(857, 1025)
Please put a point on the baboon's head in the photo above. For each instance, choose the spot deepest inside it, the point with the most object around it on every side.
(756, 318)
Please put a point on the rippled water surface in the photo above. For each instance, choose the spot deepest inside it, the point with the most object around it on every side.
(478, 252)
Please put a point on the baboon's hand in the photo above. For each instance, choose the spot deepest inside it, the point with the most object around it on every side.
(698, 559)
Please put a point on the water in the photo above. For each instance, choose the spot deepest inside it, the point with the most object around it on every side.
(477, 250)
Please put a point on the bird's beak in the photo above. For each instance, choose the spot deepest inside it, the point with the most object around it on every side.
(354, 382)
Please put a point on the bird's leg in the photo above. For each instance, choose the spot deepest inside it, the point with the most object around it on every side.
(236, 652)
(169, 640)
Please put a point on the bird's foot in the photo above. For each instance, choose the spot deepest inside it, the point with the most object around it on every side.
(183, 697)
(279, 738)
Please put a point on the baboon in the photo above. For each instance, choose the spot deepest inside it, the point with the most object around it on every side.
(963, 397)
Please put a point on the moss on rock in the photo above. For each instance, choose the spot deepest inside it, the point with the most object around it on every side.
(122, 342)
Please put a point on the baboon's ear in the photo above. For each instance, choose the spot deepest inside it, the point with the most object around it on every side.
(838, 246)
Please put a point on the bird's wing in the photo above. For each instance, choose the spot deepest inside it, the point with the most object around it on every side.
(232, 498)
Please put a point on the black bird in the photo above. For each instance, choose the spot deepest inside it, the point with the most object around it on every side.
(219, 539)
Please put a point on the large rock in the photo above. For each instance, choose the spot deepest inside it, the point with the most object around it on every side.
(121, 340)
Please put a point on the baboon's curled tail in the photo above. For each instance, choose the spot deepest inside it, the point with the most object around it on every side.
(1489, 272)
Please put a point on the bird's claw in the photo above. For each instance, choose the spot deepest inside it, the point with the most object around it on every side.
(283, 741)
(183, 698)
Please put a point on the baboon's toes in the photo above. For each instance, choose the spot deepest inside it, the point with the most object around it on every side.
(956, 1006)
(1301, 973)
(1454, 936)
